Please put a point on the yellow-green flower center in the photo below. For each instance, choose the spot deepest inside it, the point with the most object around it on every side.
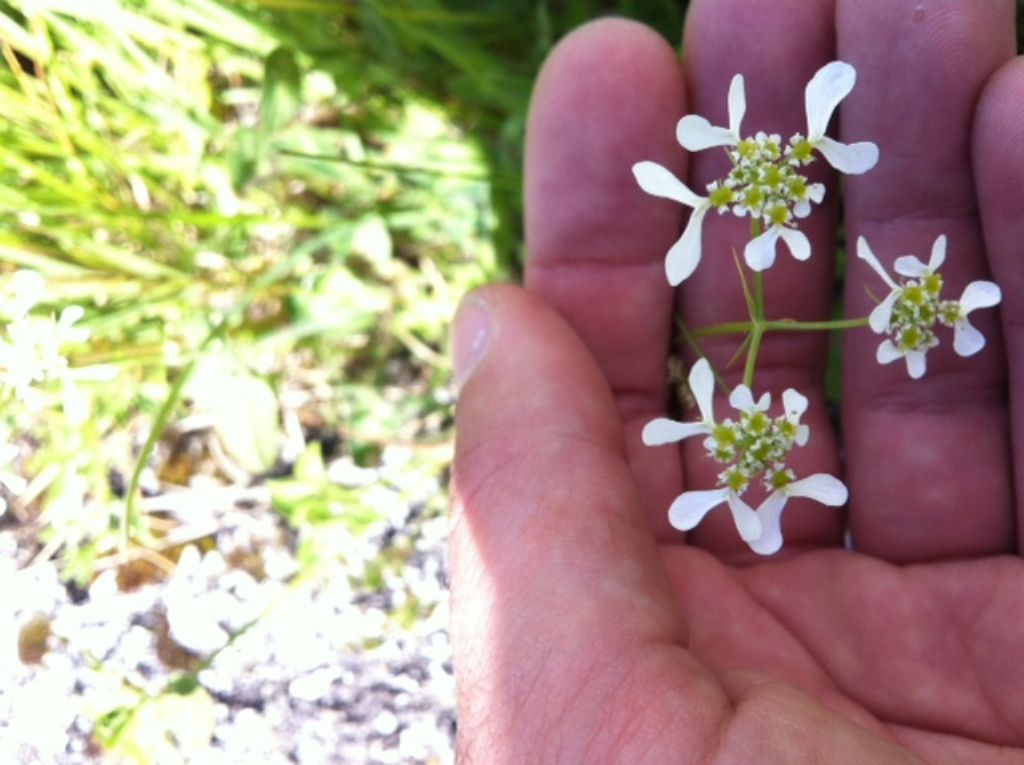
(916, 311)
(765, 180)
(721, 197)
(756, 445)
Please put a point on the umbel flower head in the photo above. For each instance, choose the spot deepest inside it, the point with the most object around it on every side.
(766, 180)
(914, 307)
(751, 447)
(32, 348)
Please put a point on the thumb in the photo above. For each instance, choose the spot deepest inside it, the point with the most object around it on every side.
(555, 574)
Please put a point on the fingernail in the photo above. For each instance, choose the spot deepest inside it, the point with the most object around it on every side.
(470, 337)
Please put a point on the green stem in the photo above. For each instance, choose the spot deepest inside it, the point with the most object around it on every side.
(755, 232)
(779, 325)
(758, 318)
(788, 325)
(755, 345)
(729, 328)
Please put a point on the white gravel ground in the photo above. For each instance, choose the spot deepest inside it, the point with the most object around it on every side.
(322, 675)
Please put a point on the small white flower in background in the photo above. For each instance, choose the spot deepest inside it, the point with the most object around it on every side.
(27, 288)
(31, 346)
(751, 447)
(13, 482)
(765, 181)
(913, 308)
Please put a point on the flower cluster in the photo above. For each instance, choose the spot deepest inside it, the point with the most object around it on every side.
(753, 446)
(766, 180)
(32, 346)
(914, 307)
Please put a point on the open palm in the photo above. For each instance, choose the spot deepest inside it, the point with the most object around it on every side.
(586, 630)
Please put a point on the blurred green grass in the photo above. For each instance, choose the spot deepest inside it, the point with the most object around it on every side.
(299, 189)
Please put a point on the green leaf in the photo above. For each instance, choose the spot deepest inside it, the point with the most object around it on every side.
(310, 464)
(282, 93)
(244, 410)
(243, 156)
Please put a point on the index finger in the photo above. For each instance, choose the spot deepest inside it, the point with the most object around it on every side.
(608, 97)
(928, 459)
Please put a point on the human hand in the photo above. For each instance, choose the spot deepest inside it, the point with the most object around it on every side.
(584, 628)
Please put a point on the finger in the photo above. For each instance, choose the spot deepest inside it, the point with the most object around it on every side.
(607, 98)
(927, 459)
(559, 599)
(999, 175)
(777, 47)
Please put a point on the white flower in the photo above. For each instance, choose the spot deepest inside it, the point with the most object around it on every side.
(684, 256)
(27, 288)
(764, 181)
(32, 351)
(690, 507)
(830, 85)
(912, 309)
(754, 445)
(820, 487)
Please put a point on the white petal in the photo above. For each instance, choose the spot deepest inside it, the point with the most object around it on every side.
(664, 431)
(879, 317)
(659, 182)
(821, 487)
(28, 283)
(980, 294)
(70, 315)
(690, 507)
(849, 158)
(760, 252)
(794, 402)
(737, 105)
(746, 520)
(916, 364)
(967, 340)
(816, 192)
(770, 516)
(741, 399)
(764, 402)
(29, 288)
(888, 353)
(695, 133)
(702, 385)
(798, 243)
(910, 265)
(830, 85)
(864, 253)
(802, 209)
(75, 402)
(684, 256)
(803, 435)
(938, 256)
